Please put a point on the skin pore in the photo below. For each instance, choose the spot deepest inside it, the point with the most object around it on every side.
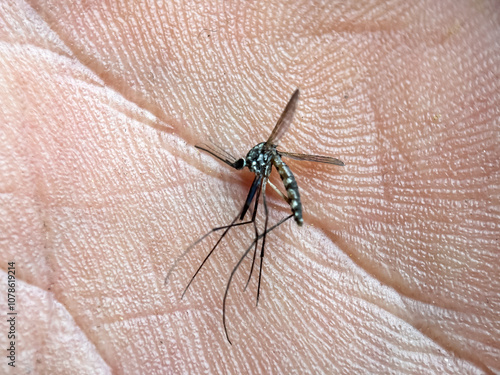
(396, 266)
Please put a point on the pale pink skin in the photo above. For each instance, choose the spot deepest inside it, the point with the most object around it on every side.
(396, 268)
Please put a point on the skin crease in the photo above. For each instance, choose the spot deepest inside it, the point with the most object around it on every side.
(396, 268)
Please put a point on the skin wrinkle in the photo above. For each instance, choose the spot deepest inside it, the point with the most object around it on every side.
(394, 313)
(435, 335)
(399, 317)
(393, 47)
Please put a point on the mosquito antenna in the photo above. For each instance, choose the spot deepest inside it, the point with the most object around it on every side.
(222, 155)
(236, 268)
(214, 146)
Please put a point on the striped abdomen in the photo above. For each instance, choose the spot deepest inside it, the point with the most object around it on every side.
(292, 190)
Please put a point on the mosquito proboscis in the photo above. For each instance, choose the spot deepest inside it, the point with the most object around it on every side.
(259, 160)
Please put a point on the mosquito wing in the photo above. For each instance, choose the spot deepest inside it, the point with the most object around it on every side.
(222, 155)
(285, 120)
(315, 158)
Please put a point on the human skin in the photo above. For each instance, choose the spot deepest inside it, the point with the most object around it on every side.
(396, 267)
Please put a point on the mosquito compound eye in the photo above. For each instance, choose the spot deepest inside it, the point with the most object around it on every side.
(240, 164)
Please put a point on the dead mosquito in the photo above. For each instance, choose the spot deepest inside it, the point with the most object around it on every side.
(259, 160)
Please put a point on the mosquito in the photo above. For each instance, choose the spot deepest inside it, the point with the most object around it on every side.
(260, 160)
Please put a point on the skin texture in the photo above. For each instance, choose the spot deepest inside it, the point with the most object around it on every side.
(396, 267)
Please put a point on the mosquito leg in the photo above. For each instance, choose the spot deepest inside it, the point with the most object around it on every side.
(287, 200)
(263, 241)
(253, 258)
(224, 301)
(209, 254)
(188, 250)
(256, 186)
(256, 237)
(257, 233)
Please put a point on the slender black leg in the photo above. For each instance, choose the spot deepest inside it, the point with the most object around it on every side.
(209, 254)
(256, 238)
(263, 241)
(256, 186)
(224, 301)
(188, 250)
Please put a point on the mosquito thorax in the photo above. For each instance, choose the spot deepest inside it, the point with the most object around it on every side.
(258, 159)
